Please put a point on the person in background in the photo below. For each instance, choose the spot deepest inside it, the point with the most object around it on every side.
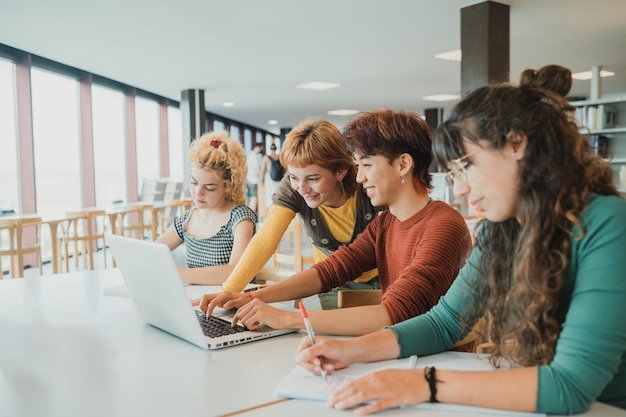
(547, 268)
(272, 172)
(320, 186)
(253, 160)
(418, 245)
(218, 228)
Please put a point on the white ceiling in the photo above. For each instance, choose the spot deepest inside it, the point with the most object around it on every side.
(254, 52)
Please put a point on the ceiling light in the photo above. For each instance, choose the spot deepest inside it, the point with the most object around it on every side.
(318, 85)
(442, 97)
(228, 104)
(272, 122)
(455, 55)
(587, 75)
(342, 112)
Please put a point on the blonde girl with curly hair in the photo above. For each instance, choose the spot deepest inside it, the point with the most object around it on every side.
(219, 226)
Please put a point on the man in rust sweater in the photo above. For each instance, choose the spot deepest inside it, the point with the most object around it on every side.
(418, 245)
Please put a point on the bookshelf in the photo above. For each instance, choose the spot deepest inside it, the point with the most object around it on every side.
(604, 121)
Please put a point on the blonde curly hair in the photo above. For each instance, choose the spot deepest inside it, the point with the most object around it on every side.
(218, 153)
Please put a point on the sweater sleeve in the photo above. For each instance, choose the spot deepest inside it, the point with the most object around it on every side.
(260, 248)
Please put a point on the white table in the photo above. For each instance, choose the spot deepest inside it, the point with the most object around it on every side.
(300, 408)
(68, 350)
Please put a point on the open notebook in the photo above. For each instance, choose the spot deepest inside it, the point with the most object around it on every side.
(302, 384)
(160, 297)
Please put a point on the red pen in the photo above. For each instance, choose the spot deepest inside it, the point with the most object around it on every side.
(309, 330)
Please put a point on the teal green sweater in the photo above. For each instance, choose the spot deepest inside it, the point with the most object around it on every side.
(590, 360)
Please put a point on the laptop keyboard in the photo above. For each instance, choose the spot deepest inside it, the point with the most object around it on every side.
(216, 327)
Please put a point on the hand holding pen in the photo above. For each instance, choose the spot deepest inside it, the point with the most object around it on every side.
(309, 330)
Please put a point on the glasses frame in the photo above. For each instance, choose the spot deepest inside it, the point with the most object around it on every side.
(458, 170)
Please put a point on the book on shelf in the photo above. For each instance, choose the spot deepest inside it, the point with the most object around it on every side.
(601, 116)
(606, 116)
(599, 145)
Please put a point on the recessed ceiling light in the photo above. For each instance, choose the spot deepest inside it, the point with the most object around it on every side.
(228, 104)
(318, 85)
(455, 55)
(272, 122)
(342, 112)
(442, 97)
(586, 75)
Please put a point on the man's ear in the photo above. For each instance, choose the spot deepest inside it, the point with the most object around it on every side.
(406, 163)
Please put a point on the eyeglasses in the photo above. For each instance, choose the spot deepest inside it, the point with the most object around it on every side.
(458, 170)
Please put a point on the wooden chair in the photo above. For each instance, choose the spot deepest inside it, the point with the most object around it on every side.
(174, 190)
(473, 339)
(355, 298)
(510, 347)
(84, 227)
(136, 220)
(153, 190)
(166, 212)
(20, 236)
(293, 258)
(262, 209)
(269, 275)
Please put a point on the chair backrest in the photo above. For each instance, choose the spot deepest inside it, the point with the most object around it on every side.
(295, 258)
(355, 298)
(152, 190)
(20, 236)
(473, 339)
(270, 274)
(173, 190)
(262, 208)
(86, 226)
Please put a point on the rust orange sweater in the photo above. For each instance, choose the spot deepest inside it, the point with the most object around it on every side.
(417, 259)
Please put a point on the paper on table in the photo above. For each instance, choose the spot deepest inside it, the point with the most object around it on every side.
(119, 290)
(301, 384)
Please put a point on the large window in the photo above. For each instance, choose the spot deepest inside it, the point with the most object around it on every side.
(147, 120)
(175, 144)
(218, 125)
(109, 150)
(56, 142)
(234, 132)
(9, 199)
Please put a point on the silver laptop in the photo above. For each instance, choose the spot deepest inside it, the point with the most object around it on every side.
(159, 294)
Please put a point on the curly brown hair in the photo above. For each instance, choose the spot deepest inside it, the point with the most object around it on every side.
(523, 260)
(552, 77)
(217, 153)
